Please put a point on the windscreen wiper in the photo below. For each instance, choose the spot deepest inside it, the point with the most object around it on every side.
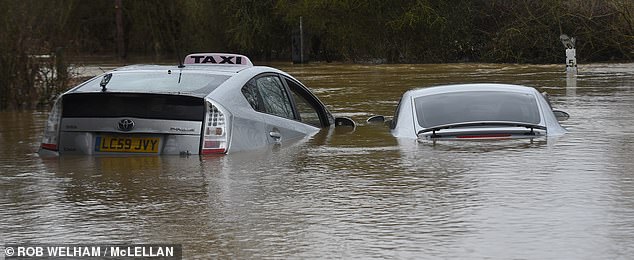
(104, 81)
(482, 123)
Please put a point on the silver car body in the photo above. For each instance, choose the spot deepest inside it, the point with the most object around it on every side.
(199, 107)
(474, 111)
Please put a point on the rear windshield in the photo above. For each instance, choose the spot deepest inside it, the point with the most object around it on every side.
(472, 106)
(152, 106)
(158, 82)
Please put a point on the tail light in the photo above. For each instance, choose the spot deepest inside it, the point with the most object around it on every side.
(216, 130)
(50, 140)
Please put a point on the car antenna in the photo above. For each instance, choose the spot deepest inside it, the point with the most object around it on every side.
(104, 81)
(180, 66)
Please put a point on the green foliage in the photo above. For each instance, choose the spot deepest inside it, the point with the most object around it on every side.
(28, 79)
(522, 31)
(528, 31)
(348, 30)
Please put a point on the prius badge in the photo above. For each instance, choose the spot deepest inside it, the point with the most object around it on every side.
(125, 125)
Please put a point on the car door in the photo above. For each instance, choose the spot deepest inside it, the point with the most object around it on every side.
(268, 94)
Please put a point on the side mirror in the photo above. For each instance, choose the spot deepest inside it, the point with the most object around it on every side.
(376, 119)
(561, 115)
(344, 121)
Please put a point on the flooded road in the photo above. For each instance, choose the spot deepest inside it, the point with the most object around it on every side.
(362, 194)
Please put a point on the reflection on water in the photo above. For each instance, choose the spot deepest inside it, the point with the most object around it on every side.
(360, 194)
(571, 84)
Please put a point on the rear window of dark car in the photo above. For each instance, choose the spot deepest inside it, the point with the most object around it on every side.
(474, 106)
(142, 105)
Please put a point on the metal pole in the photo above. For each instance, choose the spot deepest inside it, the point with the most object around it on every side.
(118, 6)
(301, 41)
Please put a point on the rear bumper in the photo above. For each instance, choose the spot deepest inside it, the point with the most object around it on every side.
(148, 136)
(47, 153)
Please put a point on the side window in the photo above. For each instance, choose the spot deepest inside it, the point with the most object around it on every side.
(251, 93)
(268, 95)
(307, 112)
(274, 97)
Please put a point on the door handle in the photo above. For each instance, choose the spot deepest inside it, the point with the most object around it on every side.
(275, 134)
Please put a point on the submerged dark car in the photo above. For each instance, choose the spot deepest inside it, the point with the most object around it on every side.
(475, 111)
(213, 103)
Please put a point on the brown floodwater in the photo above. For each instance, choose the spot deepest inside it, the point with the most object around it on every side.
(360, 194)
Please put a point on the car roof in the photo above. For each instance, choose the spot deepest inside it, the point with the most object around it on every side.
(198, 75)
(470, 87)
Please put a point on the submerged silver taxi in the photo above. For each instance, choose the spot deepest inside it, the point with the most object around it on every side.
(212, 103)
(475, 112)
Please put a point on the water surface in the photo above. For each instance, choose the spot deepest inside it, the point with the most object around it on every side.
(362, 194)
